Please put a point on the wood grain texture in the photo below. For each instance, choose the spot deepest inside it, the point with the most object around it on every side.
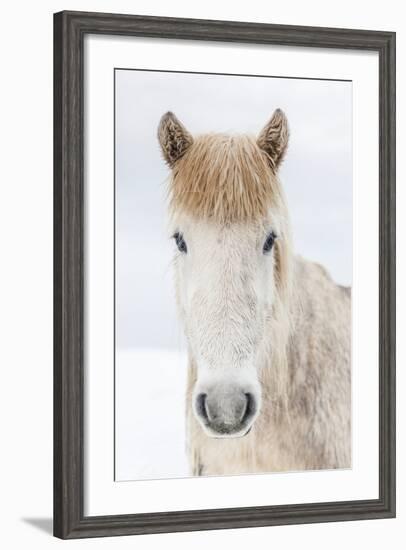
(69, 30)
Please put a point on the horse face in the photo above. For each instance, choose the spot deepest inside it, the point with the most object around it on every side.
(225, 288)
(226, 207)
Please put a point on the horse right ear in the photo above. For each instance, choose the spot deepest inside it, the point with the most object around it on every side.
(274, 138)
(173, 137)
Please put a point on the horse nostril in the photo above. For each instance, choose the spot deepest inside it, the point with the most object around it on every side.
(250, 407)
(201, 407)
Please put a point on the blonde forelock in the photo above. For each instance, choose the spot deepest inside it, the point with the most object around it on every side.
(224, 178)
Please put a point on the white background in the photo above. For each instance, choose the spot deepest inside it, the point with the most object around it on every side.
(26, 300)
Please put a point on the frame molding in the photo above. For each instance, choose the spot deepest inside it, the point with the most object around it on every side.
(69, 31)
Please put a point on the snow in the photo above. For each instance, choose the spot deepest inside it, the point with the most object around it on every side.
(150, 414)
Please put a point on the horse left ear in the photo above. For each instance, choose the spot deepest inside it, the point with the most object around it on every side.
(274, 138)
(173, 138)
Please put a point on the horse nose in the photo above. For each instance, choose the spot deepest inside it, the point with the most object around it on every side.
(226, 413)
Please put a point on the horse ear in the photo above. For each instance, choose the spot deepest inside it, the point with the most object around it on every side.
(274, 138)
(173, 138)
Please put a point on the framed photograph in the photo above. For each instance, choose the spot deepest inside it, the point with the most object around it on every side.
(224, 274)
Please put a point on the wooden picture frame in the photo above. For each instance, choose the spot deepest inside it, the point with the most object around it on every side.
(69, 31)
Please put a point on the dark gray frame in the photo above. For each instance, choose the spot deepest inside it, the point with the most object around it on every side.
(69, 30)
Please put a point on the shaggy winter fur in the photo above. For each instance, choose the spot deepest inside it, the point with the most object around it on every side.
(222, 177)
(274, 323)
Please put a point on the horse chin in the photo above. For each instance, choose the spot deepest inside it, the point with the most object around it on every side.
(213, 434)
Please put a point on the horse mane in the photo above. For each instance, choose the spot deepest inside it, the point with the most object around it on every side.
(225, 178)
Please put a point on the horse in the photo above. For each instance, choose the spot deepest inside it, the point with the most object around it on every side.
(267, 331)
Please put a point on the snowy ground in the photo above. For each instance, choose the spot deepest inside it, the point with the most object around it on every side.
(150, 418)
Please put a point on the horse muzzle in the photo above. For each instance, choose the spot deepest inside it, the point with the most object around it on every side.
(226, 410)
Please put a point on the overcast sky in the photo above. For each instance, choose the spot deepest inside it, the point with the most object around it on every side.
(316, 175)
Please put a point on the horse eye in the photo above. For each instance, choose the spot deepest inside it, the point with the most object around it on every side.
(180, 243)
(268, 244)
